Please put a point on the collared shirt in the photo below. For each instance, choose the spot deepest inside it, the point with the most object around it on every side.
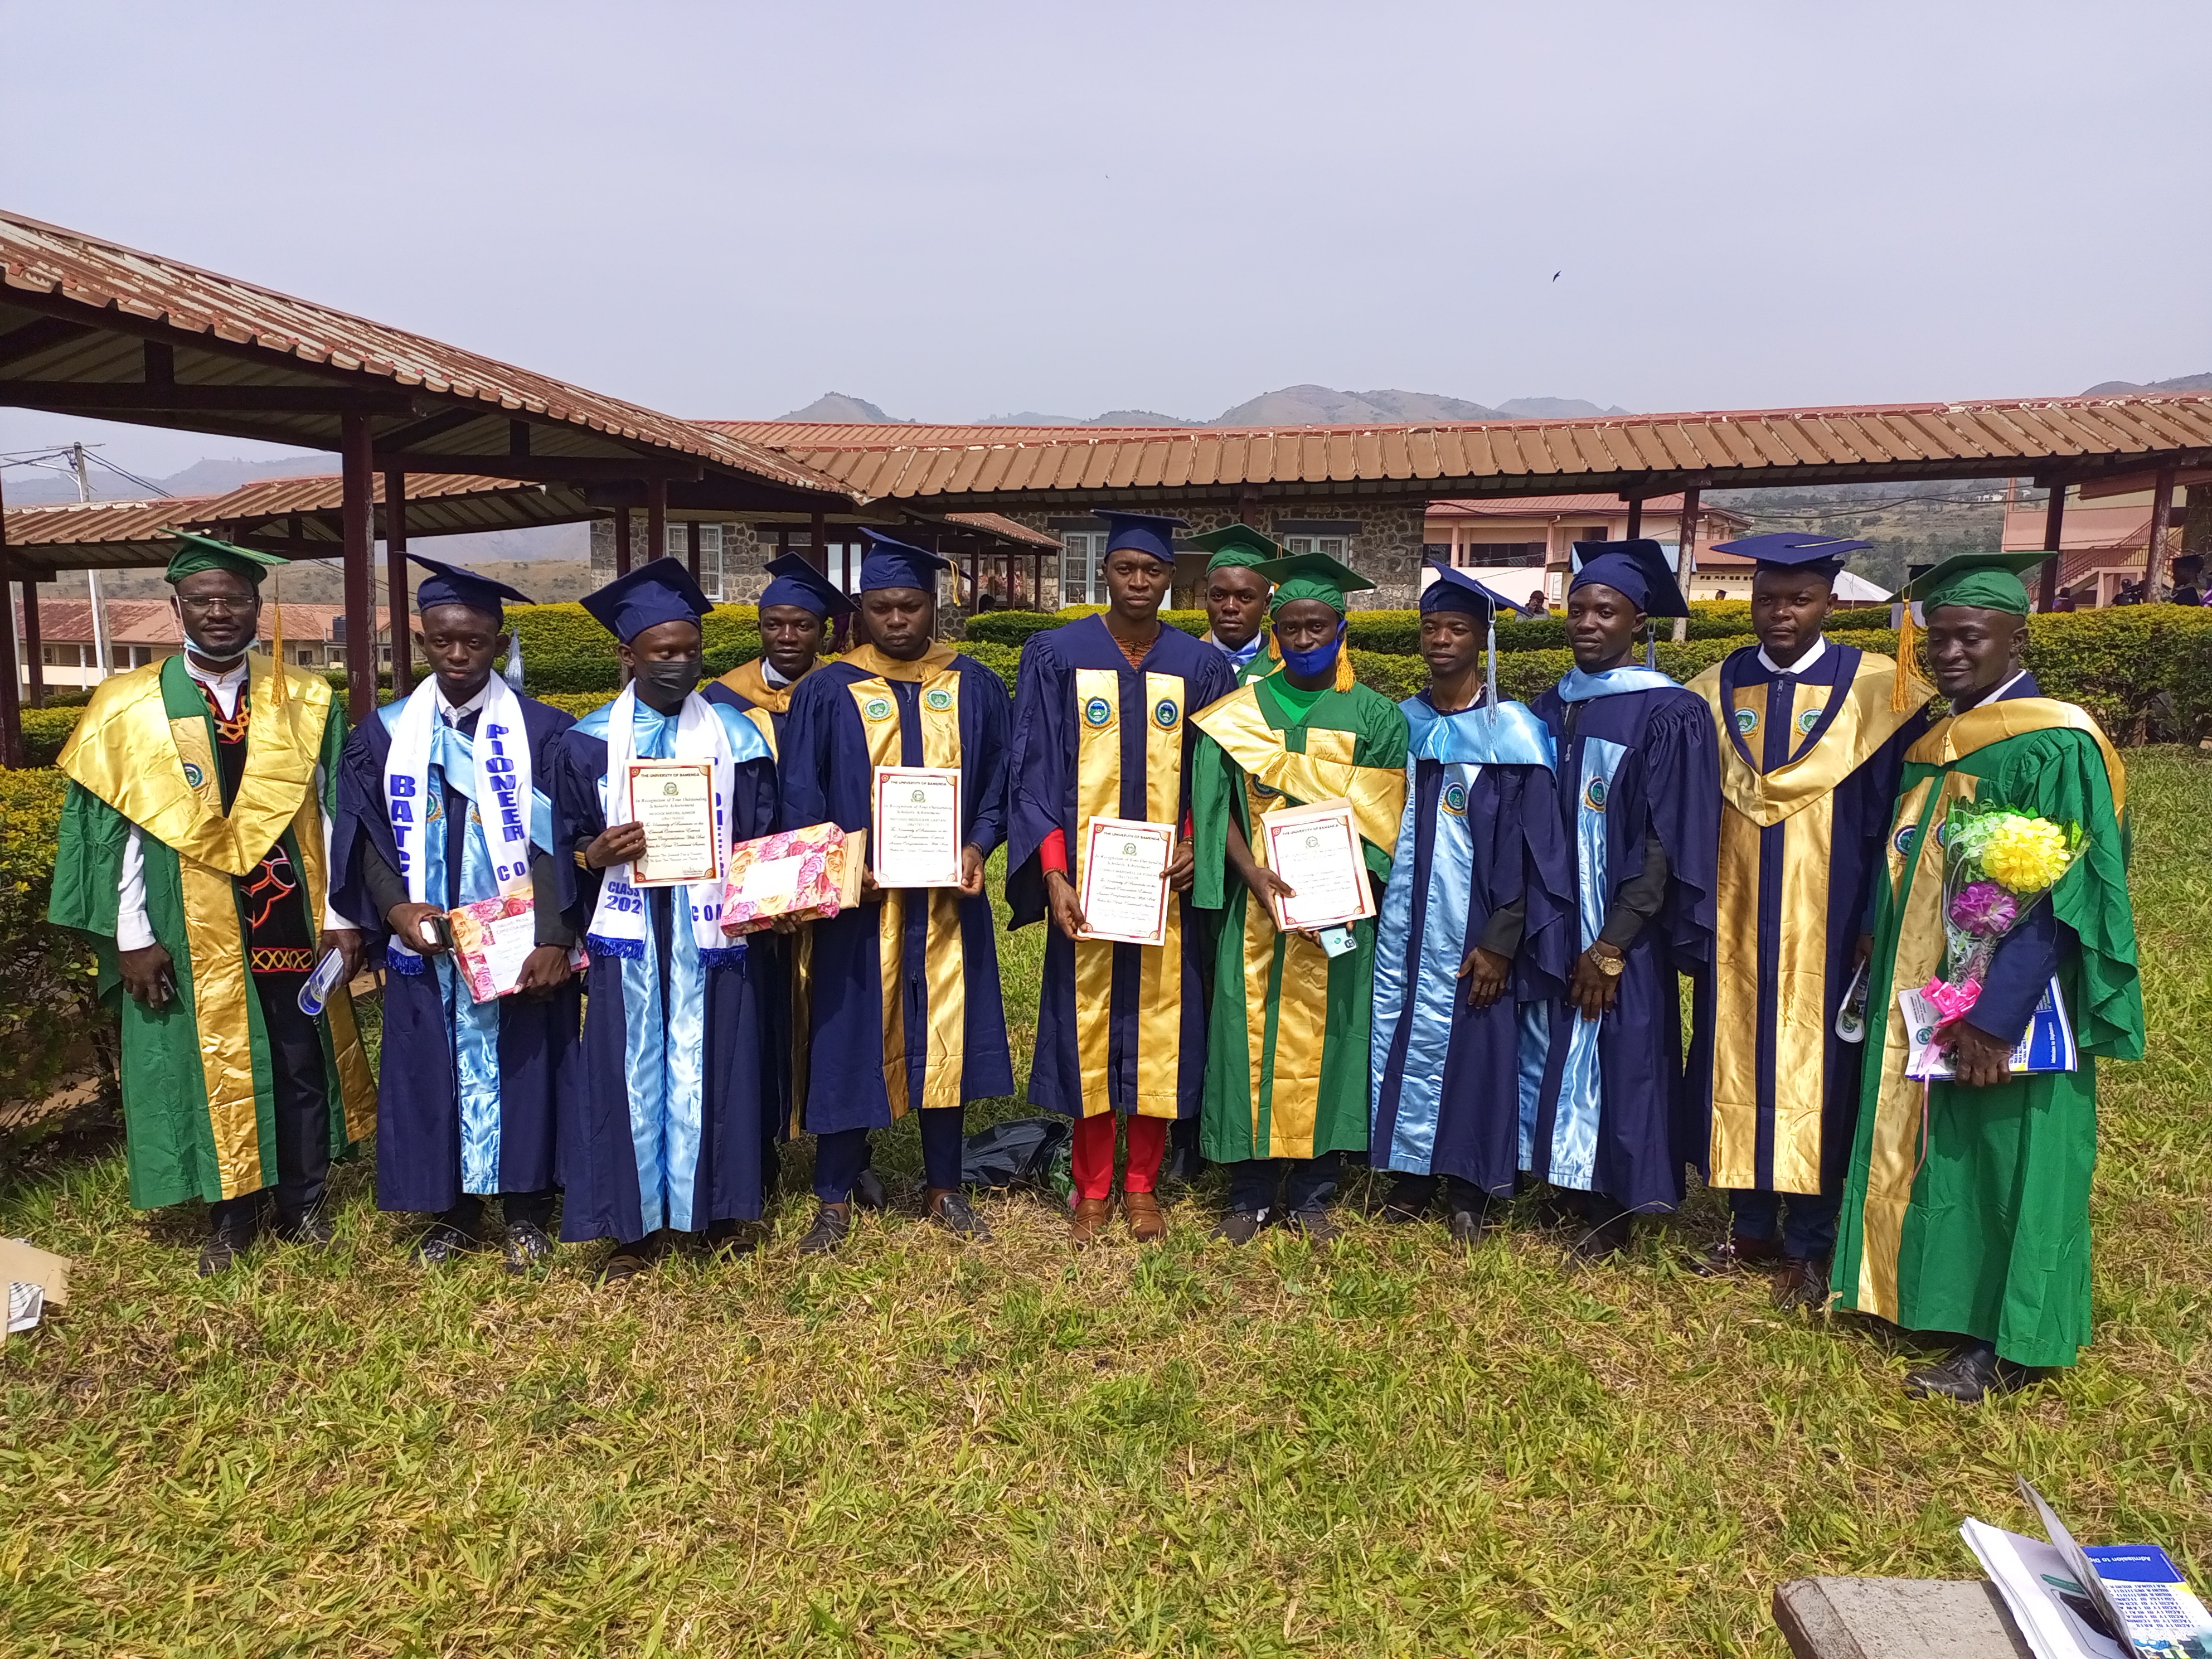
(1239, 655)
(226, 683)
(775, 681)
(1994, 694)
(1820, 648)
(455, 713)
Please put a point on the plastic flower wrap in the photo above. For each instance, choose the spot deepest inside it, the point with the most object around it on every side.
(1998, 862)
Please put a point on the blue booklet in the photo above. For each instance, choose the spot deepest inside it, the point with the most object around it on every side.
(2047, 1045)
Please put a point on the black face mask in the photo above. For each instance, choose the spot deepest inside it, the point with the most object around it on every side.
(670, 679)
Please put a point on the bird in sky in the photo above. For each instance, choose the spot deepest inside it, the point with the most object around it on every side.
(1555, 276)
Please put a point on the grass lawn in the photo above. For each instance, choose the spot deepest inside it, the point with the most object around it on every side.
(930, 1449)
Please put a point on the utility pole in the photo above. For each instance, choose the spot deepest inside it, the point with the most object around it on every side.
(91, 575)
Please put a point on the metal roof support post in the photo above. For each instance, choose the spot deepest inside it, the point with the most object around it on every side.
(33, 667)
(691, 547)
(817, 546)
(656, 517)
(1635, 517)
(1686, 551)
(11, 705)
(395, 582)
(2054, 521)
(622, 540)
(357, 516)
(2161, 514)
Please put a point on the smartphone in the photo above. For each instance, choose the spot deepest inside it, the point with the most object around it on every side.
(1337, 941)
(440, 930)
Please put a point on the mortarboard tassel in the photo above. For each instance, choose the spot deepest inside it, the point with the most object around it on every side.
(512, 672)
(277, 643)
(1490, 671)
(1908, 658)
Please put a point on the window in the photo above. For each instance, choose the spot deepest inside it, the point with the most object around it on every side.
(1502, 555)
(1081, 579)
(51, 655)
(1336, 547)
(305, 656)
(710, 555)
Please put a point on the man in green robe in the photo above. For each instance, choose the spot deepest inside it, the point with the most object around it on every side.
(1967, 1210)
(1286, 1071)
(193, 854)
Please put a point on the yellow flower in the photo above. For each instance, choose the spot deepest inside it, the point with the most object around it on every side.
(2026, 855)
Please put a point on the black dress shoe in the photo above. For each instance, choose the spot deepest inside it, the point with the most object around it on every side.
(733, 1237)
(1240, 1226)
(312, 1228)
(1736, 1254)
(221, 1249)
(868, 1192)
(627, 1261)
(528, 1246)
(1969, 1375)
(445, 1242)
(952, 1212)
(1467, 1227)
(1801, 1284)
(1604, 1241)
(833, 1226)
(1314, 1226)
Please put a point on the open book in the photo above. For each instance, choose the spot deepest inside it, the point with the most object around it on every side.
(2114, 1601)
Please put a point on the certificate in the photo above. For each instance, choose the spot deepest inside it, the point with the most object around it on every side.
(674, 801)
(1125, 880)
(1317, 849)
(916, 841)
(492, 938)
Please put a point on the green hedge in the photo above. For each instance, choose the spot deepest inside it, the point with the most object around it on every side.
(1398, 632)
(1012, 627)
(48, 1005)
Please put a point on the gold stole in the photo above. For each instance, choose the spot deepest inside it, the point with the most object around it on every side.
(129, 752)
(747, 680)
(945, 967)
(1916, 882)
(1803, 794)
(1098, 794)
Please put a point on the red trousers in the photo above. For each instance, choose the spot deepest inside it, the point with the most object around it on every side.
(1093, 1155)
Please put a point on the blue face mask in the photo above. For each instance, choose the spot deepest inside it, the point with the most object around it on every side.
(1310, 665)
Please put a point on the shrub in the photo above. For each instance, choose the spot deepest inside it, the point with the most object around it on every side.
(1398, 632)
(565, 650)
(1014, 626)
(48, 1002)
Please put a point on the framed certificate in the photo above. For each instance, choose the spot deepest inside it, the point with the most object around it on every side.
(916, 841)
(1125, 880)
(1316, 849)
(674, 801)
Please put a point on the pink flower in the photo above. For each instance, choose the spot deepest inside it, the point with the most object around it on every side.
(1982, 907)
(1952, 1002)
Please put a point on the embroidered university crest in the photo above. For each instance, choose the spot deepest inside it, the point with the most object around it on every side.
(1455, 799)
(1165, 714)
(1747, 721)
(1097, 712)
(193, 775)
(1593, 795)
(937, 697)
(878, 709)
(1808, 720)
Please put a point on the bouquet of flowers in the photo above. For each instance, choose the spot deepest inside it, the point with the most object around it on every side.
(1997, 863)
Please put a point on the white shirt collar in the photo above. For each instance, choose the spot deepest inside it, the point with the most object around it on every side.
(1802, 663)
(456, 712)
(1994, 696)
(776, 681)
(226, 683)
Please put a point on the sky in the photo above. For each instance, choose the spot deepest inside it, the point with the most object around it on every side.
(959, 209)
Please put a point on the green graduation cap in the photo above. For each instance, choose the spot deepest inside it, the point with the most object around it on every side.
(1236, 545)
(198, 553)
(1989, 580)
(1310, 576)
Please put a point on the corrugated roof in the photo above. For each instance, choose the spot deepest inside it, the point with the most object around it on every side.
(1655, 508)
(1006, 528)
(113, 535)
(154, 622)
(228, 333)
(1726, 448)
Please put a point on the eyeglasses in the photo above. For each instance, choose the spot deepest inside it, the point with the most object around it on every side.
(217, 602)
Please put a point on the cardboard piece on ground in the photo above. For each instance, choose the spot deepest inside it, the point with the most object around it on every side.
(21, 1263)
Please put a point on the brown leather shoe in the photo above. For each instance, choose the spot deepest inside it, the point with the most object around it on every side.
(1736, 1254)
(1088, 1225)
(1801, 1284)
(1146, 1224)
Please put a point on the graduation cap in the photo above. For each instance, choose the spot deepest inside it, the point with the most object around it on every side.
(797, 582)
(448, 584)
(894, 563)
(1310, 576)
(660, 590)
(1795, 549)
(1147, 533)
(1990, 580)
(1455, 590)
(1638, 568)
(1236, 545)
(196, 553)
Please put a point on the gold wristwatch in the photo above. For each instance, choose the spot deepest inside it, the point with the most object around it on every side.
(1610, 966)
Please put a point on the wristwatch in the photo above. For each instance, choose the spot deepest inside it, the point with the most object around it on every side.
(1611, 964)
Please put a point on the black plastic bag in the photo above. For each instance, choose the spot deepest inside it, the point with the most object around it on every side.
(1022, 1151)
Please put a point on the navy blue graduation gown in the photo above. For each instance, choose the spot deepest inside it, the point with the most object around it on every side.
(933, 1034)
(1481, 830)
(1608, 1111)
(1094, 738)
(631, 1165)
(1777, 1090)
(421, 1125)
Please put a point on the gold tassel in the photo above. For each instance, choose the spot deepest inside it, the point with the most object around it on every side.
(277, 643)
(1908, 661)
(1344, 677)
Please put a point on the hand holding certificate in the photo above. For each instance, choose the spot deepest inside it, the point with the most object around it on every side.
(673, 802)
(1315, 849)
(1125, 880)
(916, 841)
